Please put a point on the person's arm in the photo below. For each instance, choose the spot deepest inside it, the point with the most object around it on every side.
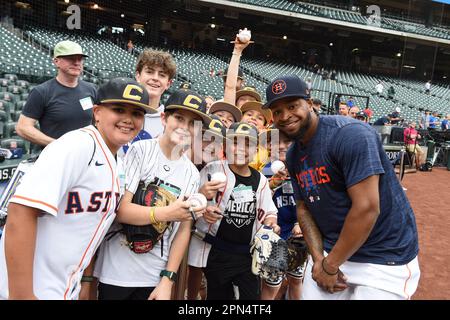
(229, 95)
(26, 129)
(135, 214)
(178, 248)
(310, 231)
(20, 243)
(358, 224)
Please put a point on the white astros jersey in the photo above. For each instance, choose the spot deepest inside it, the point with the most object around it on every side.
(76, 183)
(116, 263)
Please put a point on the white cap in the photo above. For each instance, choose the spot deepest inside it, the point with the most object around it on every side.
(397, 109)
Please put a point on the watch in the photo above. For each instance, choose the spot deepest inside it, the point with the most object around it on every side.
(169, 274)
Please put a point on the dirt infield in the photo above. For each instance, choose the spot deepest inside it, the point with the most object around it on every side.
(429, 194)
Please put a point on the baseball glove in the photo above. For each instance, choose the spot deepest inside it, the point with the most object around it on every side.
(269, 254)
(298, 252)
(142, 239)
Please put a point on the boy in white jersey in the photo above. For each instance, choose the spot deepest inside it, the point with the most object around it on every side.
(67, 201)
(122, 273)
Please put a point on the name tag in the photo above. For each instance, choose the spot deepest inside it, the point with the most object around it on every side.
(243, 194)
(86, 103)
(287, 187)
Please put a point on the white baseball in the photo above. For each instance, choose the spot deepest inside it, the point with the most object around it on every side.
(244, 36)
(197, 200)
(276, 166)
(219, 177)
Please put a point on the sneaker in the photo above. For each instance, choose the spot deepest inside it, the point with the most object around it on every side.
(404, 189)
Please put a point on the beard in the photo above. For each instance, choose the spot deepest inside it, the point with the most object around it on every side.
(302, 130)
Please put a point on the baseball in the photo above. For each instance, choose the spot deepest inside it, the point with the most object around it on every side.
(244, 36)
(219, 177)
(276, 166)
(197, 200)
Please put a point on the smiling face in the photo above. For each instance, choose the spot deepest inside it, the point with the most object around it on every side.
(179, 126)
(226, 117)
(155, 79)
(254, 117)
(293, 116)
(118, 123)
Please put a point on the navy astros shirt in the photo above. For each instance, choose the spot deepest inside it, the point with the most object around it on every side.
(342, 153)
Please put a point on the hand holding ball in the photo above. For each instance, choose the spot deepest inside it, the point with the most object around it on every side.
(276, 166)
(197, 200)
(218, 177)
(244, 36)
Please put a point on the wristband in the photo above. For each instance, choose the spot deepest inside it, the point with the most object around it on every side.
(325, 270)
(87, 278)
(152, 216)
(169, 274)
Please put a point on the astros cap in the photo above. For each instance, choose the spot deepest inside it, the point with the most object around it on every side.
(124, 91)
(285, 87)
(67, 48)
(188, 100)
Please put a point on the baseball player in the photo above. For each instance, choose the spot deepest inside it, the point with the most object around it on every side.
(68, 199)
(161, 162)
(355, 217)
(221, 244)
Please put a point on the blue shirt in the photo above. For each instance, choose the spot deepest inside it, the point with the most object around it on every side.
(284, 200)
(444, 124)
(342, 153)
(433, 122)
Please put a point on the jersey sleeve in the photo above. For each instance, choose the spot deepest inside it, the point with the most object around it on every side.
(55, 172)
(356, 151)
(265, 198)
(35, 106)
(134, 164)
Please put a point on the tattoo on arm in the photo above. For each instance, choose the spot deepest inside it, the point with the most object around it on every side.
(310, 230)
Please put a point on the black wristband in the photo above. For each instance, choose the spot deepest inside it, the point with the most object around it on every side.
(87, 278)
(325, 270)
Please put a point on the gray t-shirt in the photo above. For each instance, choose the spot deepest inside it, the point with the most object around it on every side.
(58, 108)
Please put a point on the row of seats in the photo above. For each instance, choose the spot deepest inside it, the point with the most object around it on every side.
(349, 16)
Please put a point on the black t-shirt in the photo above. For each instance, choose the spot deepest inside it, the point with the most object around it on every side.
(236, 225)
(381, 122)
(59, 108)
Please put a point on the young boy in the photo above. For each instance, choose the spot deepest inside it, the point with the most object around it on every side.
(213, 136)
(227, 112)
(232, 219)
(283, 197)
(122, 273)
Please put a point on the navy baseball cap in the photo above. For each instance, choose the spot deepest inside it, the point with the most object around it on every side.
(215, 127)
(242, 129)
(188, 100)
(285, 87)
(124, 91)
